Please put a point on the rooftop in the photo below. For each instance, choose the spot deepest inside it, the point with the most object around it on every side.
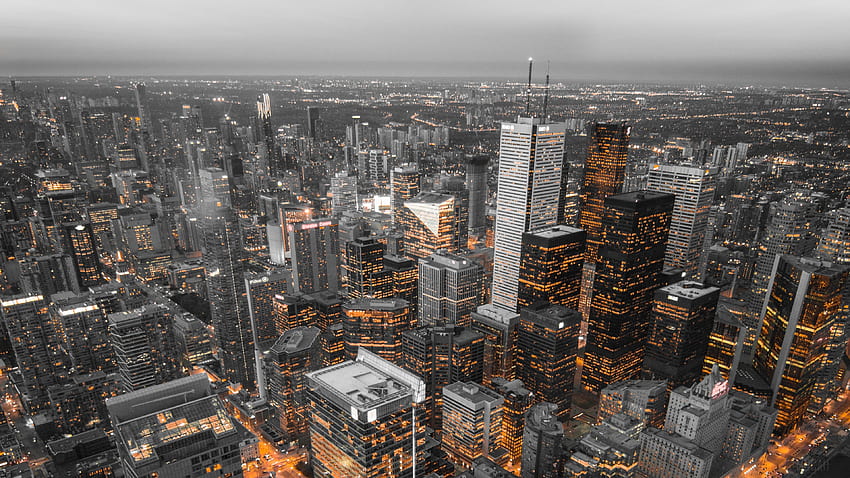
(296, 340)
(690, 290)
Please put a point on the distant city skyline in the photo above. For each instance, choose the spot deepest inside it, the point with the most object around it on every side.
(742, 42)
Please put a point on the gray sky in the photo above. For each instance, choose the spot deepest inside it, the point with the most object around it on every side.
(806, 42)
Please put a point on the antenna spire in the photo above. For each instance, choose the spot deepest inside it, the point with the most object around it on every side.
(546, 92)
(528, 89)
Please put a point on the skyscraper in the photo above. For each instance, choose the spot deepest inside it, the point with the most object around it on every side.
(541, 442)
(144, 344)
(440, 356)
(377, 326)
(472, 424)
(364, 269)
(266, 134)
(725, 345)
(680, 327)
(604, 173)
(635, 228)
(499, 327)
(476, 181)
(84, 325)
(140, 92)
(551, 266)
(643, 400)
(546, 352)
(295, 353)
(314, 122)
(518, 400)
(450, 288)
(694, 190)
(404, 185)
(261, 289)
(315, 255)
(430, 224)
(530, 159)
(177, 429)
(373, 400)
(804, 301)
(229, 311)
(80, 244)
(35, 344)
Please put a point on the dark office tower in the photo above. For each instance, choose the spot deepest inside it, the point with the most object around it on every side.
(80, 244)
(142, 107)
(472, 424)
(499, 329)
(679, 331)
(261, 289)
(332, 342)
(35, 345)
(85, 336)
(635, 228)
(314, 123)
(225, 277)
(455, 186)
(404, 185)
(804, 301)
(404, 276)
(171, 429)
(315, 255)
(450, 288)
(79, 402)
(194, 341)
(327, 306)
(541, 443)
(364, 269)
(294, 354)
(551, 266)
(292, 311)
(604, 173)
(440, 356)
(372, 400)
(144, 345)
(476, 181)
(725, 345)
(266, 135)
(546, 352)
(518, 400)
(377, 326)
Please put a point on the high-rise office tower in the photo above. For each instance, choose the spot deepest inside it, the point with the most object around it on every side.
(450, 288)
(332, 342)
(541, 442)
(377, 326)
(328, 308)
(604, 173)
(142, 107)
(518, 400)
(835, 243)
(635, 228)
(643, 400)
(789, 231)
(266, 135)
(551, 266)
(84, 326)
(194, 341)
(214, 184)
(804, 301)
(314, 123)
(344, 194)
(679, 331)
(225, 277)
(35, 344)
(261, 289)
(292, 310)
(374, 401)
(404, 185)
(315, 255)
(404, 279)
(79, 402)
(531, 155)
(176, 429)
(476, 181)
(472, 424)
(80, 244)
(430, 223)
(725, 345)
(694, 190)
(700, 412)
(455, 186)
(499, 327)
(440, 356)
(364, 269)
(144, 344)
(295, 353)
(546, 352)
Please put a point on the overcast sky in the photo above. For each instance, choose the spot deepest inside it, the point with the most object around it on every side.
(803, 42)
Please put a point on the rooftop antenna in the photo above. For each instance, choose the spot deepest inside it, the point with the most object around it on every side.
(528, 89)
(546, 93)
